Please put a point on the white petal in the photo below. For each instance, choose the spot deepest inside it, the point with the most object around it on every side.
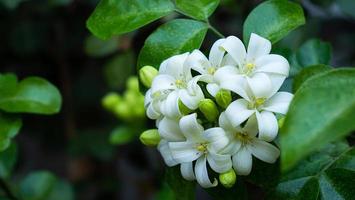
(278, 103)
(224, 71)
(174, 66)
(228, 60)
(191, 128)
(152, 113)
(233, 147)
(216, 53)
(165, 152)
(237, 112)
(202, 174)
(251, 127)
(191, 99)
(236, 83)
(170, 107)
(147, 98)
(184, 151)
(264, 151)
(217, 139)
(260, 85)
(268, 126)
(163, 82)
(224, 123)
(198, 61)
(258, 46)
(235, 48)
(277, 81)
(187, 171)
(242, 162)
(272, 64)
(169, 129)
(219, 163)
(213, 88)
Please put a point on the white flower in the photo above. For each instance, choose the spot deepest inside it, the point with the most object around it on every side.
(254, 66)
(173, 83)
(203, 146)
(263, 103)
(243, 144)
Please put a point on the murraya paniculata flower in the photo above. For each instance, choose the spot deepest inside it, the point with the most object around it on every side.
(236, 122)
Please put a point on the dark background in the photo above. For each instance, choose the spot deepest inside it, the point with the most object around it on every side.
(47, 38)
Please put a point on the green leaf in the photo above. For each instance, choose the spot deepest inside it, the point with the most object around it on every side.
(327, 174)
(31, 95)
(314, 52)
(175, 37)
(183, 189)
(114, 17)
(43, 185)
(11, 4)
(273, 20)
(307, 73)
(323, 110)
(9, 127)
(96, 47)
(347, 6)
(8, 160)
(198, 9)
(122, 135)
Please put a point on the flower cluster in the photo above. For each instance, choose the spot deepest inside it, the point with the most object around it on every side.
(219, 110)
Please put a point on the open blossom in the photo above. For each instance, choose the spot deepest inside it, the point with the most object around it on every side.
(244, 143)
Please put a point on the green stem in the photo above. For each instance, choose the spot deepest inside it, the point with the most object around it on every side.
(4, 186)
(214, 30)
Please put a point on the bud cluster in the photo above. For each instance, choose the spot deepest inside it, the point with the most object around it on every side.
(217, 111)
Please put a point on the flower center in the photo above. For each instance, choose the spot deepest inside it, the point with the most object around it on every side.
(202, 147)
(242, 137)
(211, 70)
(248, 68)
(180, 83)
(257, 103)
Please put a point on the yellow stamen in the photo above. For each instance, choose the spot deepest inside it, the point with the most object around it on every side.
(180, 83)
(243, 138)
(202, 147)
(259, 101)
(249, 67)
(211, 70)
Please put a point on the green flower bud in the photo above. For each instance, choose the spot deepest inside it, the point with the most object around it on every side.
(147, 74)
(281, 121)
(132, 84)
(123, 111)
(150, 137)
(228, 178)
(223, 98)
(110, 101)
(184, 109)
(209, 109)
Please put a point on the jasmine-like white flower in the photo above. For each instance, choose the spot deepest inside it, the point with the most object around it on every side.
(173, 83)
(253, 67)
(263, 103)
(203, 146)
(244, 144)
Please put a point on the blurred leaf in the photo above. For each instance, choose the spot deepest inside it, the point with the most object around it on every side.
(175, 37)
(261, 173)
(8, 160)
(237, 192)
(59, 2)
(96, 47)
(31, 95)
(323, 110)
(122, 135)
(347, 6)
(9, 126)
(314, 52)
(11, 4)
(198, 9)
(118, 69)
(183, 189)
(114, 17)
(43, 185)
(327, 174)
(307, 73)
(273, 20)
(165, 193)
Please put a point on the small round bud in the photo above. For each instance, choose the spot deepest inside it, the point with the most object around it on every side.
(281, 122)
(223, 98)
(183, 108)
(209, 109)
(132, 84)
(147, 74)
(228, 178)
(123, 111)
(110, 101)
(150, 137)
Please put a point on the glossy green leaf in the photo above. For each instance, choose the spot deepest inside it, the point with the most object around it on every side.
(96, 47)
(323, 110)
(43, 185)
(198, 9)
(273, 20)
(9, 127)
(122, 135)
(8, 160)
(327, 174)
(31, 95)
(307, 73)
(114, 17)
(314, 52)
(183, 189)
(175, 37)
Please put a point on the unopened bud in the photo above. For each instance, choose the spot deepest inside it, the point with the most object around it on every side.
(183, 108)
(147, 74)
(110, 101)
(228, 178)
(223, 98)
(150, 137)
(132, 84)
(281, 121)
(209, 109)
